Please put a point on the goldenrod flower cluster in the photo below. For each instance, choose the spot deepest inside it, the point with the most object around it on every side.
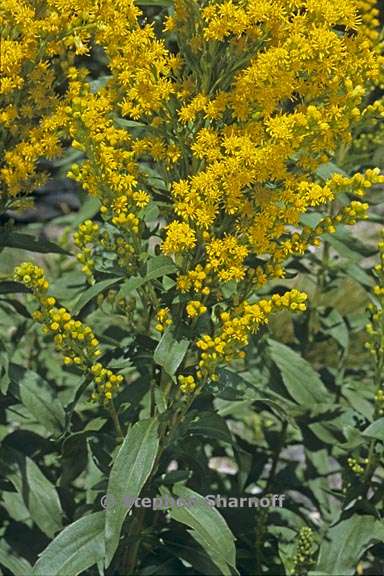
(125, 253)
(196, 280)
(33, 278)
(180, 238)
(218, 126)
(72, 338)
(93, 244)
(370, 133)
(236, 327)
(357, 466)
(370, 18)
(84, 239)
(195, 308)
(163, 319)
(39, 41)
(252, 157)
(303, 559)
(187, 384)
(107, 382)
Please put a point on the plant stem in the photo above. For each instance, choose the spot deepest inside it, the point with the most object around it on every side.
(131, 558)
(372, 462)
(116, 422)
(276, 456)
(322, 277)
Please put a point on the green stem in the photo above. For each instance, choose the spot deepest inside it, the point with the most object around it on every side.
(166, 436)
(322, 276)
(276, 456)
(130, 559)
(372, 461)
(116, 422)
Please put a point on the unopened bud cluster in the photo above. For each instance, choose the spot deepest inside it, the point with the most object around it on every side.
(303, 558)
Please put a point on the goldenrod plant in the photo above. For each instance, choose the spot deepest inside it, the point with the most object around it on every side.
(187, 339)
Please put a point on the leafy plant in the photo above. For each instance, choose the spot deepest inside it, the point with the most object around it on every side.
(219, 404)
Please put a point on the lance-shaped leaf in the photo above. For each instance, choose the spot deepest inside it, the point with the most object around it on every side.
(130, 471)
(78, 547)
(345, 543)
(301, 380)
(15, 564)
(27, 242)
(89, 295)
(170, 352)
(34, 392)
(209, 528)
(39, 494)
(375, 430)
(159, 266)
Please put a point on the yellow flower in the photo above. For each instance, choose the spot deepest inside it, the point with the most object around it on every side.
(195, 308)
(187, 384)
(74, 339)
(179, 238)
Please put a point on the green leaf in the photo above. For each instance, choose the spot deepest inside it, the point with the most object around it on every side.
(377, 218)
(210, 425)
(300, 379)
(335, 326)
(131, 285)
(15, 564)
(4, 368)
(39, 494)
(151, 214)
(311, 219)
(68, 287)
(342, 247)
(9, 287)
(123, 123)
(88, 210)
(78, 547)
(353, 247)
(74, 457)
(209, 528)
(195, 556)
(130, 471)
(325, 171)
(359, 274)
(375, 430)
(159, 266)
(92, 293)
(231, 386)
(70, 155)
(14, 505)
(358, 401)
(27, 242)
(165, 3)
(170, 353)
(34, 392)
(345, 543)
(7, 303)
(99, 82)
